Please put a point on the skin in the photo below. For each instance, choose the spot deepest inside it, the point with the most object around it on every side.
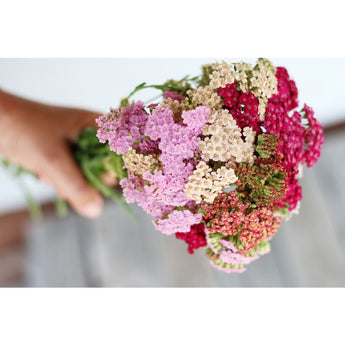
(37, 136)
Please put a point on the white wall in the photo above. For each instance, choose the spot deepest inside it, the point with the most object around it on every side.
(99, 83)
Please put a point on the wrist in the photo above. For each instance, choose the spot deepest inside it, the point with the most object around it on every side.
(8, 110)
(8, 104)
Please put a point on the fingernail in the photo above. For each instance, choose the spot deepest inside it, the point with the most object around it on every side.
(93, 208)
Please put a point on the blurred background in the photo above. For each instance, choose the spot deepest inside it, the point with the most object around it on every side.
(117, 250)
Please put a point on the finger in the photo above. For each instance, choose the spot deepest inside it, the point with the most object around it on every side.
(59, 168)
(109, 179)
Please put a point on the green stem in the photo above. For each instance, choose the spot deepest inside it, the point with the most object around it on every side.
(33, 206)
(108, 192)
(61, 207)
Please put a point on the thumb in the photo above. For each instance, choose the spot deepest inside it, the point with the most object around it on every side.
(64, 174)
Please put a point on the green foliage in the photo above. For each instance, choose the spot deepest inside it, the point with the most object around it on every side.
(261, 247)
(216, 236)
(264, 181)
(61, 207)
(267, 63)
(284, 211)
(17, 173)
(261, 185)
(206, 71)
(95, 159)
(267, 145)
(180, 86)
(214, 240)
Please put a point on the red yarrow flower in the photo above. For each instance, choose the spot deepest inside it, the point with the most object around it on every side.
(243, 106)
(195, 238)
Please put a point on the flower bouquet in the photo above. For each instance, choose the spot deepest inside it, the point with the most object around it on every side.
(217, 161)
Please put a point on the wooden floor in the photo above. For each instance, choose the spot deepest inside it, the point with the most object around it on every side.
(117, 250)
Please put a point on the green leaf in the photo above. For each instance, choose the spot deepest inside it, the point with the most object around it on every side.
(95, 159)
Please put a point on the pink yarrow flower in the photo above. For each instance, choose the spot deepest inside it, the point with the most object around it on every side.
(158, 192)
(173, 95)
(178, 221)
(123, 128)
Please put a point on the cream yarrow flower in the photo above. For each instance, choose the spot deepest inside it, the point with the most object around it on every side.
(205, 184)
(263, 84)
(222, 75)
(205, 96)
(262, 108)
(223, 139)
(137, 163)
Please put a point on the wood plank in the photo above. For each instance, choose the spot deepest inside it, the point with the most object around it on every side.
(54, 258)
(287, 265)
(314, 244)
(137, 255)
(330, 173)
(12, 267)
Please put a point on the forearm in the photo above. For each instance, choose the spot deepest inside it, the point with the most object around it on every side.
(8, 109)
(25, 126)
(14, 124)
(11, 105)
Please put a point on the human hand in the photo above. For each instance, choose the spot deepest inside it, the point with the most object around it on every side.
(37, 137)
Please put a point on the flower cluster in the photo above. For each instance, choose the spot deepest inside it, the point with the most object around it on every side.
(299, 143)
(205, 184)
(217, 161)
(195, 238)
(233, 221)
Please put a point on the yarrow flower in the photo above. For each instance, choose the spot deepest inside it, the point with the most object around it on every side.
(173, 95)
(217, 161)
(178, 221)
(195, 238)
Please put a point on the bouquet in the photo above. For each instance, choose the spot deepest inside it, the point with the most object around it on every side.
(217, 161)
